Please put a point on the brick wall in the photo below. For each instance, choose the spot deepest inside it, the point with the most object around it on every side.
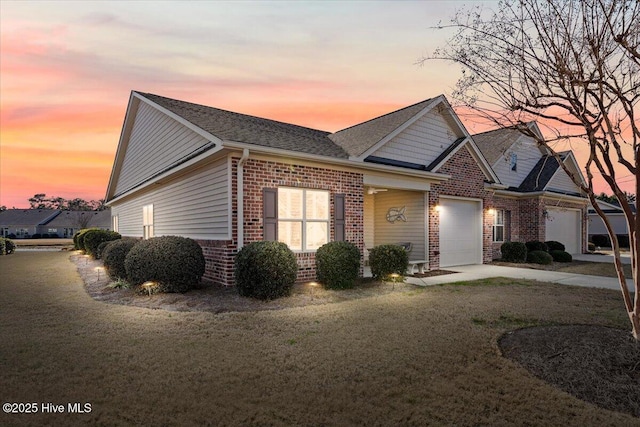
(259, 174)
(467, 180)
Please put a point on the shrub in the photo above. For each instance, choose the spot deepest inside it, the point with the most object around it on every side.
(552, 245)
(78, 238)
(591, 247)
(101, 248)
(601, 240)
(539, 257)
(7, 247)
(114, 255)
(93, 238)
(11, 236)
(623, 240)
(175, 263)
(561, 256)
(514, 252)
(536, 245)
(265, 270)
(338, 264)
(36, 236)
(386, 260)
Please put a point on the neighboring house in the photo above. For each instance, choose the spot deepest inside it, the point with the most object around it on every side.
(616, 218)
(225, 179)
(539, 201)
(25, 223)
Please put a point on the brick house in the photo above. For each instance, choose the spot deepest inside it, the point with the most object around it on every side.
(225, 179)
(538, 201)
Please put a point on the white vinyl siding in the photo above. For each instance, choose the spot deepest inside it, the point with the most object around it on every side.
(422, 142)
(527, 154)
(412, 230)
(157, 141)
(195, 205)
(561, 182)
(617, 220)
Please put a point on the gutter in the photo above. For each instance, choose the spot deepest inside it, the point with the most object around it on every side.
(240, 197)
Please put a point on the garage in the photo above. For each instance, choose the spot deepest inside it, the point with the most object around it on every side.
(460, 232)
(564, 226)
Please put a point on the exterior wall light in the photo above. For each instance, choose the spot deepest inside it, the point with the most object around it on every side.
(491, 211)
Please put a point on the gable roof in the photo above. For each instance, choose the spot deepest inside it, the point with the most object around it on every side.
(70, 218)
(28, 217)
(542, 173)
(495, 143)
(357, 139)
(230, 126)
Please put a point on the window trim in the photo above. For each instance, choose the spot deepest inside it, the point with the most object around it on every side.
(496, 225)
(304, 221)
(147, 222)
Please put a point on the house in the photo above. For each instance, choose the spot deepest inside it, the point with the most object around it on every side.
(226, 179)
(617, 220)
(539, 200)
(25, 223)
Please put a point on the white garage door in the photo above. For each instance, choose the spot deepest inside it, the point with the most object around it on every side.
(460, 232)
(563, 225)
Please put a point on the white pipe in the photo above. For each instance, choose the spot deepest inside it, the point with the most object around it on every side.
(240, 198)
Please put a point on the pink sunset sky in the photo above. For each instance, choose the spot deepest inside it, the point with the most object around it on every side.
(67, 69)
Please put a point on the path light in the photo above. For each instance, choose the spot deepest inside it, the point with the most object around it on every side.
(394, 278)
(148, 286)
(313, 286)
(98, 269)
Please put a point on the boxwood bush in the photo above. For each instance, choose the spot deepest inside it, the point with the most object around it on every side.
(561, 256)
(536, 245)
(338, 265)
(265, 270)
(7, 247)
(601, 240)
(386, 260)
(93, 239)
(113, 257)
(539, 257)
(552, 245)
(175, 264)
(513, 252)
(78, 238)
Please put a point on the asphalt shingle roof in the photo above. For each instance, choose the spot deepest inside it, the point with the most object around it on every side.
(70, 218)
(494, 143)
(357, 139)
(541, 173)
(237, 127)
(31, 217)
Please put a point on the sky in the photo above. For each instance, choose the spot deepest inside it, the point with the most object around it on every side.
(67, 70)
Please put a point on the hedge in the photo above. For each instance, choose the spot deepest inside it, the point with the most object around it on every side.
(265, 270)
(114, 255)
(93, 239)
(539, 257)
(561, 256)
(338, 265)
(386, 260)
(513, 252)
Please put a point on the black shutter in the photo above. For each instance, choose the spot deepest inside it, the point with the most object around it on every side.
(339, 232)
(270, 213)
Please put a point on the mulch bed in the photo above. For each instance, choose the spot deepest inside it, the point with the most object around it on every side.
(597, 364)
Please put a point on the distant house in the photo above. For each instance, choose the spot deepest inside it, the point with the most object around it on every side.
(414, 175)
(539, 200)
(617, 220)
(26, 223)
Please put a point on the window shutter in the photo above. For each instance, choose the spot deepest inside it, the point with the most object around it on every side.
(339, 232)
(270, 213)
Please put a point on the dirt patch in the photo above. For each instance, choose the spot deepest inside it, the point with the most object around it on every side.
(597, 364)
(219, 299)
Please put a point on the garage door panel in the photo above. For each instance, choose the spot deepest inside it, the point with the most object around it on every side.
(460, 232)
(564, 226)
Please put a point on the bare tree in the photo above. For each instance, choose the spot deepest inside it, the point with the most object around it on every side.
(573, 66)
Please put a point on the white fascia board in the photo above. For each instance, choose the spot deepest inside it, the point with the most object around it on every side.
(396, 131)
(332, 161)
(544, 194)
(184, 167)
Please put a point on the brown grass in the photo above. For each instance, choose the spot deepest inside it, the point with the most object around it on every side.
(605, 269)
(421, 357)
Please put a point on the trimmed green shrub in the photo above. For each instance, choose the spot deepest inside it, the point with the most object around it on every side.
(338, 265)
(93, 238)
(591, 247)
(175, 263)
(386, 260)
(513, 252)
(539, 257)
(265, 270)
(552, 245)
(114, 255)
(78, 238)
(7, 247)
(36, 236)
(561, 256)
(536, 245)
(101, 248)
(601, 240)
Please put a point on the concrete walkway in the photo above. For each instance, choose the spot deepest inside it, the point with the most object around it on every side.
(625, 257)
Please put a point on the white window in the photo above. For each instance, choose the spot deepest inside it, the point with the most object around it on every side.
(498, 226)
(115, 223)
(147, 221)
(303, 218)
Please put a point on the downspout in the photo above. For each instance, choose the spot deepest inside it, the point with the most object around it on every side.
(240, 197)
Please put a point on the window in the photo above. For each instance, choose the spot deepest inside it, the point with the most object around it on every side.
(115, 223)
(498, 226)
(147, 221)
(513, 162)
(52, 230)
(303, 218)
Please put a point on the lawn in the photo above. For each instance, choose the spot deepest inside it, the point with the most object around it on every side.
(412, 357)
